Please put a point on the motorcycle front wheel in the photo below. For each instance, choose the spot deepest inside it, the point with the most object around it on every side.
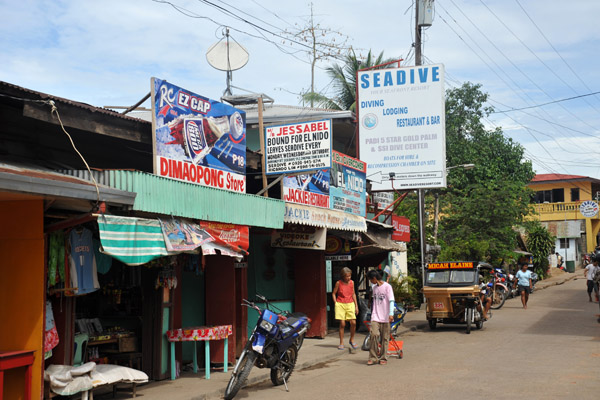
(238, 378)
(285, 366)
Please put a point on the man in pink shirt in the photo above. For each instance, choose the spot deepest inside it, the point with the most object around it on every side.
(382, 314)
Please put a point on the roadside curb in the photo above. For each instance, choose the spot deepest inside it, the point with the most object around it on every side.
(543, 285)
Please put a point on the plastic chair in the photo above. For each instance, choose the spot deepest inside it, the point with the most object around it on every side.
(80, 348)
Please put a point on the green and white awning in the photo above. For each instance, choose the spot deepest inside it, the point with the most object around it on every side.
(133, 241)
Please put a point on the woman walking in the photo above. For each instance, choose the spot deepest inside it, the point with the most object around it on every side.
(346, 306)
(523, 280)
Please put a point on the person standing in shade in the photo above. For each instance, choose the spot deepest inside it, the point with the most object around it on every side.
(382, 314)
(523, 282)
(346, 306)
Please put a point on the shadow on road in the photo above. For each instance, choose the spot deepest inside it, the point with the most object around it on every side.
(570, 324)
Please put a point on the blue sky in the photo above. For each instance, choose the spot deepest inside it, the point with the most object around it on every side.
(523, 52)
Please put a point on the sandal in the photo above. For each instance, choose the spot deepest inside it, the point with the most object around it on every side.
(370, 362)
(354, 346)
(383, 362)
(341, 347)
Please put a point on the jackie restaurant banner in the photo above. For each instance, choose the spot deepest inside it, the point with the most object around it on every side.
(298, 147)
(311, 189)
(196, 139)
(402, 126)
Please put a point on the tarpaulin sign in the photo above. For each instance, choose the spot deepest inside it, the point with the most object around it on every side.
(229, 235)
(298, 147)
(196, 139)
(348, 184)
(308, 189)
(401, 231)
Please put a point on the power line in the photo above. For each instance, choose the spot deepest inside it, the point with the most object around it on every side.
(537, 57)
(553, 124)
(556, 51)
(550, 102)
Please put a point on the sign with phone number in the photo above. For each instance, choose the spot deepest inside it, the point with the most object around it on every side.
(451, 265)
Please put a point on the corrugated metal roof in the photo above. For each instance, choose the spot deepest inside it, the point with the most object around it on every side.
(32, 94)
(42, 182)
(274, 113)
(166, 196)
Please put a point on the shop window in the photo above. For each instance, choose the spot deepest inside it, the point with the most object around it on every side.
(564, 243)
(575, 194)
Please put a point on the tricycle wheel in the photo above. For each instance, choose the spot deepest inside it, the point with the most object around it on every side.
(432, 323)
(367, 342)
(479, 324)
(469, 319)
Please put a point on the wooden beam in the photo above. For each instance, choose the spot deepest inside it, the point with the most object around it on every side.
(90, 121)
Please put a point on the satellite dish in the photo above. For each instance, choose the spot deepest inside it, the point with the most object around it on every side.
(227, 55)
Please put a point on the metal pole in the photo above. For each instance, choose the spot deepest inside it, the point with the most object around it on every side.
(420, 192)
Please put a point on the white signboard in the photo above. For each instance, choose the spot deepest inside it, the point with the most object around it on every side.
(402, 126)
(300, 238)
(588, 208)
(382, 199)
(298, 147)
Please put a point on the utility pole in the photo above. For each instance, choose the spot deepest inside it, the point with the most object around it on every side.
(420, 192)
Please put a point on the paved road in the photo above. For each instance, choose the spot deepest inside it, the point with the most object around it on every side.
(549, 351)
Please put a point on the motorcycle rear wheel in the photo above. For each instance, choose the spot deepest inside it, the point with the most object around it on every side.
(285, 366)
(498, 299)
(238, 379)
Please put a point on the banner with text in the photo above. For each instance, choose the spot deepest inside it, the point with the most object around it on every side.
(308, 189)
(401, 231)
(348, 184)
(298, 147)
(402, 126)
(196, 139)
(300, 237)
(236, 237)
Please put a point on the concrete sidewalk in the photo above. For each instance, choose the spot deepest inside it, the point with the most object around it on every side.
(313, 352)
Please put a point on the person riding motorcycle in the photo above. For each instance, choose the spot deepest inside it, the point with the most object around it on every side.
(485, 297)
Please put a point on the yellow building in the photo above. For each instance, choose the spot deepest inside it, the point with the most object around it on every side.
(558, 201)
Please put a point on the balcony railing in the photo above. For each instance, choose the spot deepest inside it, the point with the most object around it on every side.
(560, 211)
(551, 208)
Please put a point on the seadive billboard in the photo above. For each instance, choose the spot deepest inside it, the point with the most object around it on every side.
(402, 131)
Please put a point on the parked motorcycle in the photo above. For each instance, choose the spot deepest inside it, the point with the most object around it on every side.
(274, 343)
(497, 288)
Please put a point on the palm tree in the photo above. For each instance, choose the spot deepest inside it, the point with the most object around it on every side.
(344, 82)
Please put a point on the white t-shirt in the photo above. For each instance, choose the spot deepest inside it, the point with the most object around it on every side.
(589, 272)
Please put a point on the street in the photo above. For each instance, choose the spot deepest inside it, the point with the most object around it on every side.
(550, 351)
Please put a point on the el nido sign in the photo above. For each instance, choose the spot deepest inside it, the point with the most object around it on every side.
(348, 184)
(298, 147)
(402, 126)
(196, 139)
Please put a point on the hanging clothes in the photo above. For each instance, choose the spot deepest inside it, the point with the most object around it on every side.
(56, 256)
(103, 261)
(84, 273)
(50, 332)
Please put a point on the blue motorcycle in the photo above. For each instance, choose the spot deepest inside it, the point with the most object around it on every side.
(274, 343)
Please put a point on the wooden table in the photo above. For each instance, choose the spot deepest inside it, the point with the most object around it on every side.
(16, 359)
(201, 333)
